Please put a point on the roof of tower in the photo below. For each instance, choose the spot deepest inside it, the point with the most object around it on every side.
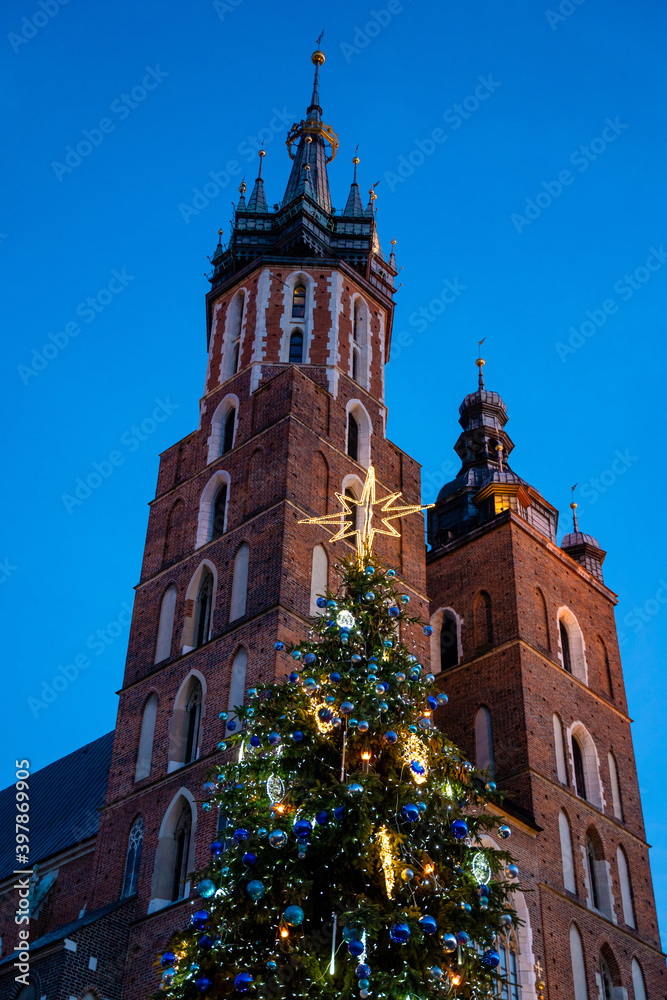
(482, 397)
(354, 205)
(312, 137)
(257, 201)
(575, 538)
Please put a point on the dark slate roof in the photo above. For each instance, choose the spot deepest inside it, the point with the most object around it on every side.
(66, 930)
(65, 798)
(578, 538)
(476, 478)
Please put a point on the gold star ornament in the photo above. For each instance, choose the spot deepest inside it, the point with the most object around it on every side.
(372, 510)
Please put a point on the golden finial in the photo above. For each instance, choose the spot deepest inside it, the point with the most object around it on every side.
(480, 362)
(573, 508)
(220, 232)
(318, 56)
(262, 152)
(242, 187)
(393, 243)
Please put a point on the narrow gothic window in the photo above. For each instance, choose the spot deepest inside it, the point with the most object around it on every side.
(166, 624)
(228, 436)
(235, 360)
(353, 518)
(638, 981)
(355, 365)
(240, 582)
(145, 753)
(449, 642)
(578, 965)
(133, 858)
(506, 946)
(579, 774)
(605, 976)
(191, 723)
(566, 853)
(299, 302)
(352, 438)
(565, 645)
(182, 834)
(615, 787)
(626, 891)
(591, 859)
(219, 509)
(296, 348)
(484, 740)
(204, 607)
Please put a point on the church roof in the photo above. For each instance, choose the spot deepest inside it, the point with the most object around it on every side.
(65, 799)
(578, 538)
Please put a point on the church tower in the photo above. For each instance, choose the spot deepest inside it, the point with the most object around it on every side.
(299, 326)
(524, 635)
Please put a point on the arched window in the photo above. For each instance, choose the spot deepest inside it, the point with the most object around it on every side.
(566, 852)
(360, 344)
(541, 620)
(219, 512)
(133, 858)
(449, 641)
(192, 722)
(506, 946)
(578, 965)
(174, 533)
(352, 437)
(560, 750)
(166, 626)
(299, 302)
(579, 773)
(571, 642)
(174, 857)
(319, 577)
(591, 866)
(237, 685)
(616, 800)
(483, 621)
(240, 582)
(232, 339)
(145, 753)
(484, 740)
(638, 980)
(597, 872)
(626, 889)
(359, 326)
(228, 435)
(355, 364)
(204, 607)
(296, 348)
(608, 991)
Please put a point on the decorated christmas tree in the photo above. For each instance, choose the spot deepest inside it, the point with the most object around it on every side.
(348, 861)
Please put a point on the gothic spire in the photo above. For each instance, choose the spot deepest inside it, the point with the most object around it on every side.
(242, 190)
(354, 206)
(316, 146)
(257, 201)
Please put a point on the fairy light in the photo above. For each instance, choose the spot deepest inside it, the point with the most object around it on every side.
(386, 859)
(414, 750)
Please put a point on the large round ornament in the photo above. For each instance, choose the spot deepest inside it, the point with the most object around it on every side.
(506, 920)
(459, 829)
(206, 888)
(427, 630)
(449, 943)
(302, 829)
(356, 948)
(199, 919)
(410, 812)
(428, 924)
(203, 984)
(512, 871)
(205, 942)
(347, 708)
(310, 658)
(362, 971)
(243, 982)
(274, 739)
(463, 937)
(294, 916)
(390, 737)
(504, 832)
(167, 959)
(321, 602)
(240, 835)
(399, 932)
(249, 859)
(277, 838)
(255, 889)
(491, 958)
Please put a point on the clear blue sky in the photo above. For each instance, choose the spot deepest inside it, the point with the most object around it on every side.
(220, 74)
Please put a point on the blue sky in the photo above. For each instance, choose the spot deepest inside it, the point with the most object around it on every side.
(540, 199)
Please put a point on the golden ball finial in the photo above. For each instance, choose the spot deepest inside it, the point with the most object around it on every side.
(219, 232)
(480, 363)
(393, 243)
(242, 187)
(262, 152)
(309, 139)
(317, 57)
(356, 160)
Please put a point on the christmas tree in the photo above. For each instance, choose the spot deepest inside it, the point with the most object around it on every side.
(348, 861)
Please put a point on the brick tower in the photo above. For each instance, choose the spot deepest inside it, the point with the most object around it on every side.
(525, 637)
(299, 324)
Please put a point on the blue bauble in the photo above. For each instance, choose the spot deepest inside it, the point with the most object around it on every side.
(321, 602)
(199, 919)
(203, 984)
(277, 838)
(279, 645)
(274, 739)
(459, 829)
(347, 708)
(432, 702)
(427, 630)
(369, 570)
(399, 932)
(167, 959)
(405, 599)
(362, 971)
(206, 888)
(338, 812)
(297, 735)
(512, 871)
(410, 812)
(388, 644)
(504, 832)
(363, 985)
(302, 829)
(400, 676)
(379, 689)
(271, 965)
(355, 788)
(255, 741)
(262, 832)
(417, 767)
(466, 907)
(252, 692)
(294, 916)
(490, 786)
(490, 959)
(391, 573)
(322, 818)
(442, 699)
(296, 654)
(332, 604)
(231, 725)
(205, 942)
(350, 934)
(243, 981)
(449, 943)
(249, 859)
(506, 920)
(428, 924)
(222, 715)
(168, 976)
(240, 835)
(334, 677)
(310, 658)
(255, 889)
(330, 699)
(369, 596)
(293, 677)
(393, 612)
(356, 948)
(355, 659)
(208, 787)
(435, 972)
(462, 937)
(325, 714)
(390, 737)
(372, 659)
(206, 806)
(222, 745)
(362, 726)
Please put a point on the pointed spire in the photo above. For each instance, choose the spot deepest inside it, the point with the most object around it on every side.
(573, 507)
(317, 145)
(372, 198)
(315, 111)
(257, 201)
(354, 206)
(480, 363)
(392, 256)
(242, 190)
(218, 249)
